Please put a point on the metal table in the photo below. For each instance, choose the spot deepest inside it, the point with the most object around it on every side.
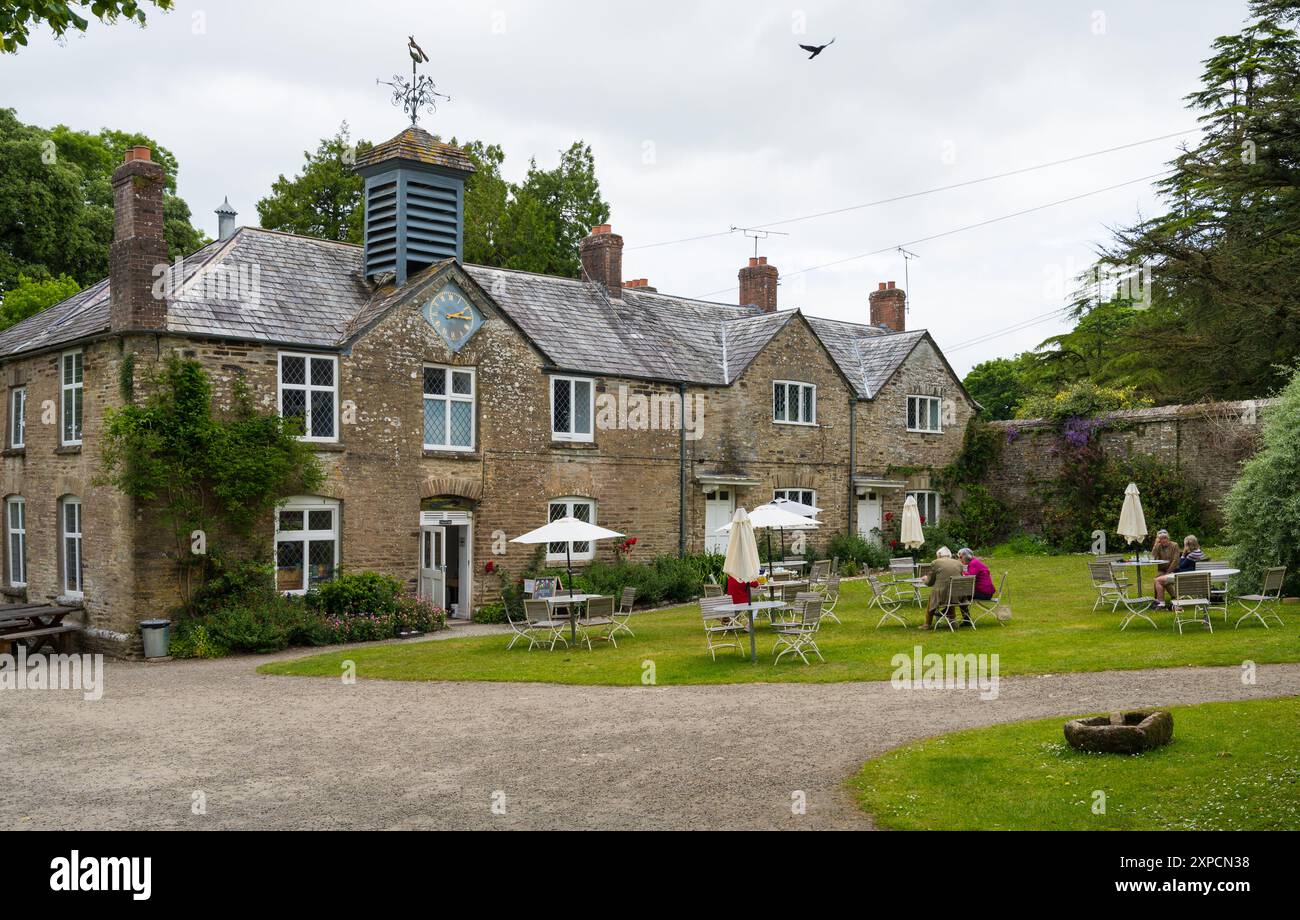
(570, 601)
(1130, 564)
(750, 609)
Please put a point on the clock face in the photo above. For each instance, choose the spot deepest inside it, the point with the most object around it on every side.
(456, 319)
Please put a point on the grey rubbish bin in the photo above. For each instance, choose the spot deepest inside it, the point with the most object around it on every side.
(157, 637)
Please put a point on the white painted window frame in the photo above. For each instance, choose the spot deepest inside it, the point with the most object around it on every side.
(569, 502)
(72, 396)
(307, 504)
(798, 386)
(450, 397)
(18, 529)
(307, 388)
(18, 418)
(922, 505)
(576, 437)
(928, 402)
(78, 537)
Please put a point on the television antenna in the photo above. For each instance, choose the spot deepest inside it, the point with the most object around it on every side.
(908, 256)
(756, 235)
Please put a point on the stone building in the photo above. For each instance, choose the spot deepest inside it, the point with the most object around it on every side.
(454, 406)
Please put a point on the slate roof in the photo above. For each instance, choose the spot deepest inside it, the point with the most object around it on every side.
(311, 294)
(419, 146)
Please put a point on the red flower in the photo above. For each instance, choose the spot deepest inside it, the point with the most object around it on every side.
(631, 541)
(893, 543)
(889, 516)
(923, 519)
(491, 566)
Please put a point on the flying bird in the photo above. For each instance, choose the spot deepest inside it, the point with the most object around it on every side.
(816, 49)
(417, 53)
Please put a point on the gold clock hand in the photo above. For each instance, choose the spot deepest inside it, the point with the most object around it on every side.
(461, 315)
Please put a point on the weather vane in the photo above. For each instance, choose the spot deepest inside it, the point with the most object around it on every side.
(417, 93)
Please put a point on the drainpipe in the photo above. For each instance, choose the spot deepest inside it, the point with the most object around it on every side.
(853, 460)
(681, 474)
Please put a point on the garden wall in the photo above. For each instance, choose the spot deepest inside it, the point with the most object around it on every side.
(1207, 442)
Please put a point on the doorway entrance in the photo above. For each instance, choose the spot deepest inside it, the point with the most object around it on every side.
(447, 560)
(719, 508)
(871, 518)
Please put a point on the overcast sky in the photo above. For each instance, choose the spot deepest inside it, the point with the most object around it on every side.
(702, 115)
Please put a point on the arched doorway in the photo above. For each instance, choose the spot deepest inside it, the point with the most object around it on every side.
(446, 575)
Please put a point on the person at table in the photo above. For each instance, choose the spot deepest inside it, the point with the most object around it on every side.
(738, 591)
(1187, 562)
(943, 570)
(973, 565)
(1165, 553)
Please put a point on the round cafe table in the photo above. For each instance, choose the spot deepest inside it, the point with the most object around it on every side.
(1138, 565)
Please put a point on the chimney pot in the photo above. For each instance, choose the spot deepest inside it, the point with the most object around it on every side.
(138, 153)
(889, 307)
(758, 285)
(602, 259)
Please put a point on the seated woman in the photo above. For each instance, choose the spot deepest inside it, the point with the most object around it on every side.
(984, 589)
(1186, 563)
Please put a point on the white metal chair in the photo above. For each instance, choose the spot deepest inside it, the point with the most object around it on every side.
(544, 625)
(889, 604)
(598, 622)
(624, 612)
(1109, 589)
(1270, 596)
(961, 591)
(1137, 608)
(521, 628)
(721, 630)
(801, 637)
(901, 573)
(981, 609)
(1192, 592)
(713, 590)
(1218, 590)
(830, 594)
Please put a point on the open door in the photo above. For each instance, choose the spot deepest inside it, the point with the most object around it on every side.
(433, 565)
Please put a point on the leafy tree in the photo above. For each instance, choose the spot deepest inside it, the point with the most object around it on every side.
(56, 201)
(534, 225)
(1224, 311)
(1263, 508)
(17, 17)
(218, 475)
(1082, 400)
(999, 386)
(324, 200)
(30, 297)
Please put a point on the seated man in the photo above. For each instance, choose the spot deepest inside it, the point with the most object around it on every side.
(984, 589)
(1186, 563)
(1165, 552)
(944, 570)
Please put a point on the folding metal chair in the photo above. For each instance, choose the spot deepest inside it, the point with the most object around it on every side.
(830, 594)
(1138, 608)
(598, 621)
(889, 604)
(1218, 595)
(981, 609)
(544, 624)
(713, 590)
(1271, 595)
(1109, 589)
(798, 638)
(961, 591)
(1192, 592)
(722, 630)
(624, 612)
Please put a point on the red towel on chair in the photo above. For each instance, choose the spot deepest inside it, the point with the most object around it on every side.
(739, 591)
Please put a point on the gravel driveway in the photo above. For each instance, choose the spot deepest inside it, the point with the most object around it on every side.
(315, 753)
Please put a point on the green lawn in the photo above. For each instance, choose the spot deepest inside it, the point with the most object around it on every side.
(1232, 766)
(1053, 631)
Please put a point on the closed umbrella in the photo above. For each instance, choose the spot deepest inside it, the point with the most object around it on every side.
(742, 561)
(568, 530)
(1132, 520)
(910, 533)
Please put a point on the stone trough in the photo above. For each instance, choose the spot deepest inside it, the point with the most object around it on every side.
(1121, 732)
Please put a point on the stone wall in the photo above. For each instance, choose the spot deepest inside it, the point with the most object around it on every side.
(1206, 442)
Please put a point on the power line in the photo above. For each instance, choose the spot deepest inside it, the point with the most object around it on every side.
(1017, 327)
(910, 195)
(926, 239)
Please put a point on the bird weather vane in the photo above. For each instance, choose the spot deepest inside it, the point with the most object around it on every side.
(417, 93)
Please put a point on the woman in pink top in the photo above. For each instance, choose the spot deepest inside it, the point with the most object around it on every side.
(983, 577)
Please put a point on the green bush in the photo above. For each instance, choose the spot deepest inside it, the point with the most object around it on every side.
(851, 548)
(981, 517)
(1263, 507)
(359, 594)
(233, 581)
(492, 614)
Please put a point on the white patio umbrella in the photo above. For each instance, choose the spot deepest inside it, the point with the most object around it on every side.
(1132, 520)
(794, 507)
(910, 533)
(742, 552)
(568, 530)
(773, 517)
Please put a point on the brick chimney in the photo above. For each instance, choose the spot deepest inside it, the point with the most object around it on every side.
(138, 244)
(602, 259)
(641, 284)
(889, 307)
(758, 283)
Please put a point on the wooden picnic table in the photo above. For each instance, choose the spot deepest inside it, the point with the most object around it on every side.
(34, 624)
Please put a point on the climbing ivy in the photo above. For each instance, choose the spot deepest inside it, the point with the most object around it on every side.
(209, 477)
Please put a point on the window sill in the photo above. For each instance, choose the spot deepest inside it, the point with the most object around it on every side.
(15, 452)
(920, 431)
(795, 424)
(67, 450)
(573, 445)
(435, 453)
(326, 447)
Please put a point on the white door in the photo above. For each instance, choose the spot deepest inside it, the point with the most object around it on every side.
(870, 516)
(719, 507)
(433, 565)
